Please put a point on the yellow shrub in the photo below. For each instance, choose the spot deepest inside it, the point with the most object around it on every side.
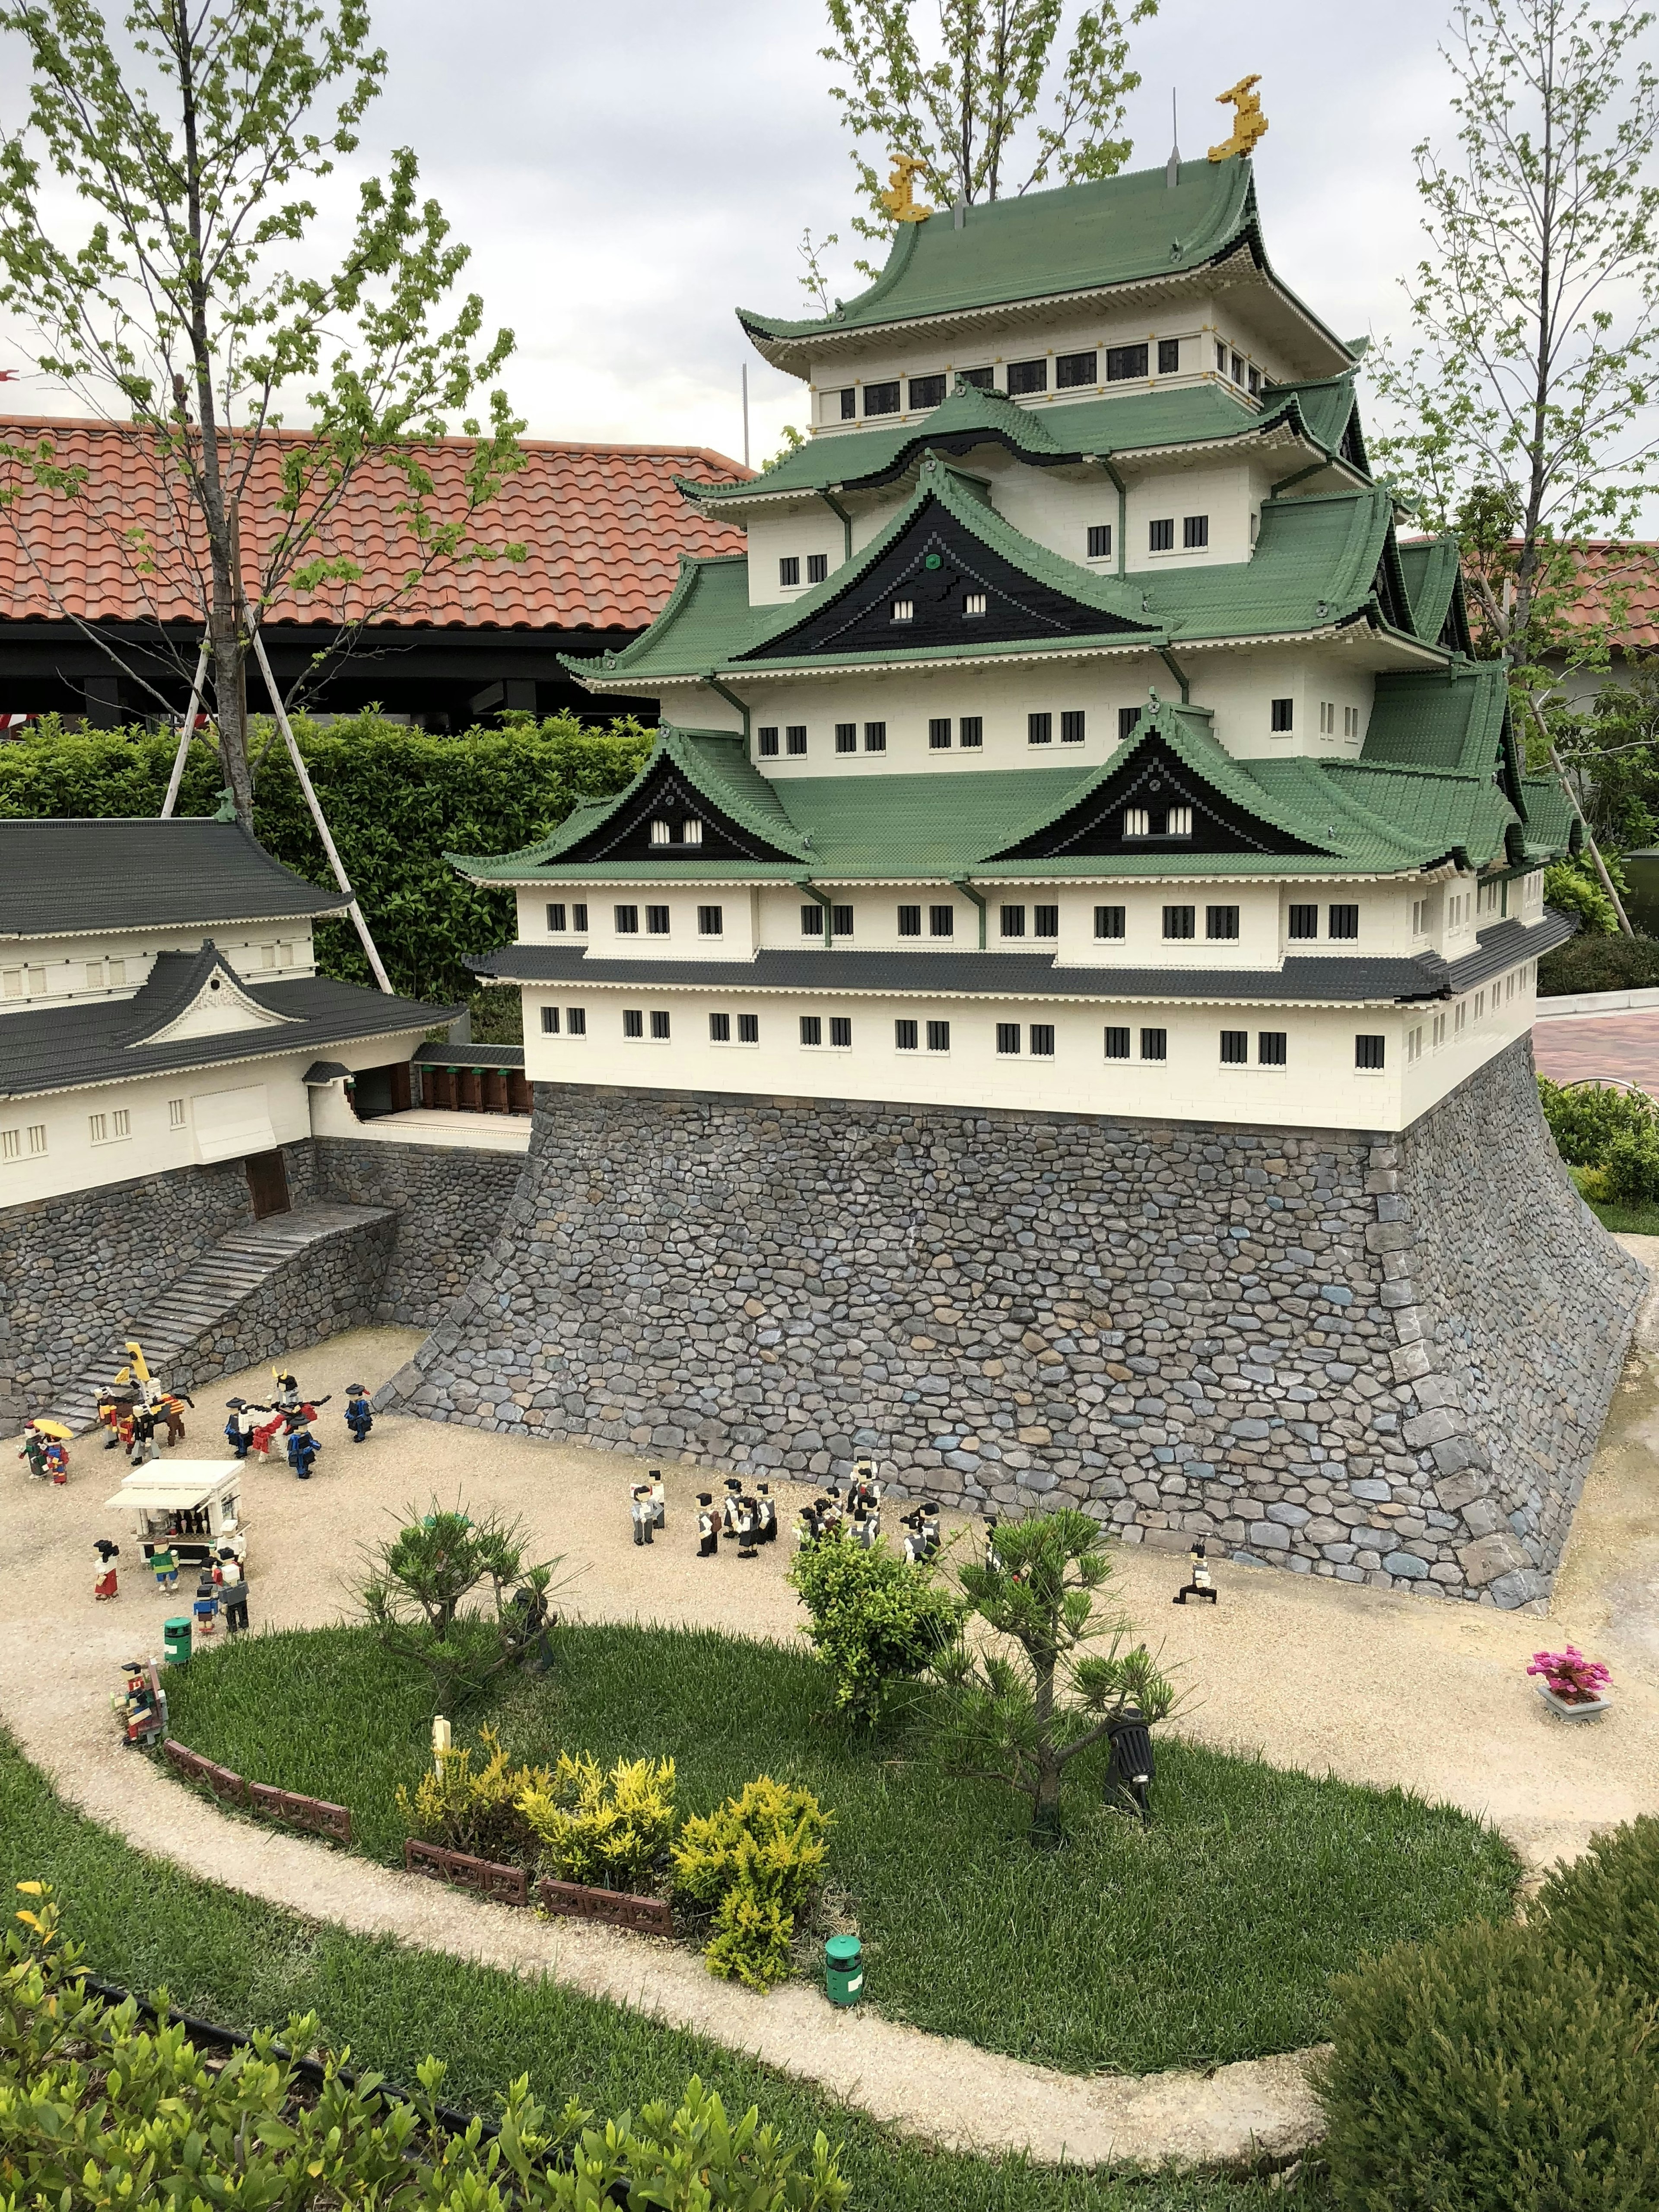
(608, 1830)
(474, 1813)
(755, 1859)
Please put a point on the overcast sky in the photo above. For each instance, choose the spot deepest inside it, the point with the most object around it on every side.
(626, 175)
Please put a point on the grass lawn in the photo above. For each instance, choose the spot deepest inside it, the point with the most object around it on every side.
(1209, 1937)
(1623, 1220)
(226, 1958)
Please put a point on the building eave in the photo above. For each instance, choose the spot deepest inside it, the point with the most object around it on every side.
(109, 1082)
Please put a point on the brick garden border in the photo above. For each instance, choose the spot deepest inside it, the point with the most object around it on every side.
(613, 1908)
(314, 1814)
(501, 1885)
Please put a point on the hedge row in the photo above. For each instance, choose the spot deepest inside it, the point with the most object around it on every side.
(396, 799)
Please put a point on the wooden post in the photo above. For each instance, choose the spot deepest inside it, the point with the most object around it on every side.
(186, 733)
(1595, 849)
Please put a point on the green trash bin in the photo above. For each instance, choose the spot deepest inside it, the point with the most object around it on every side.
(843, 1969)
(175, 1640)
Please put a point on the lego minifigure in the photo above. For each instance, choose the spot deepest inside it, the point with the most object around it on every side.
(865, 1490)
(807, 1530)
(106, 1418)
(287, 1396)
(747, 1518)
(867, 1528)
(708, 1526)
(729, 1505)
(238, 1430)
(830, 1513)
(359, 1414)
(164, 1565)
(536, 1624)
(125, 1430)
(233, 1590)
(659, 1501)
(1201, 1585)
(301, 1452)
(643, 1514)
(993, 1557)
(930, 1527)
(141, 1707)
(108, 1553)
(264, 1422)
(767, 1529)
(144, 1436)
(58, 1460)
(35, 1451)
(915, 1546)
(205, 1607)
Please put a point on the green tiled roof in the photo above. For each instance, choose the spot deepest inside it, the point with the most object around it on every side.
(1431, 568)
(1078, 238)
(1451, 718)
(1122, 423)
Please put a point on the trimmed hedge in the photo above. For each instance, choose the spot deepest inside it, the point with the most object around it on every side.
(1599, 963)
(396, 799)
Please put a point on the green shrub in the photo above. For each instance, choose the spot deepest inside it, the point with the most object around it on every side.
(1485, 2072)
(1584, 1118)
(1629, 1174)
(756, 1860)
(1599, 963)
(1605, 1907)
(96, 2110)
(610, 1830)
(477, 1813)
(1573, 887)
(877, 1619)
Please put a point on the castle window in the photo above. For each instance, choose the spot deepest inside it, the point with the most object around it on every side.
(1108, 921)
(909, 922)
(690, 833)
(1100, 541)
(660, 1025)
(939, 734)
(120, 1123)
(37, 1136)
(748, 1029)
(550, 1021)
(1304, 921)
(818, 568)
(1042, 1041)
(720, 1028)
(1327, 718)
(1419, 917)
(850, 403)
(1128, 722)
(941, 921)
(1180, 920)
(795, 740)
(1234, 1047)
(1368, 1051)
(1025, 377)
(927, 392)
(1270, 1048)
(175, 1113)
(789, 571)
(906, 1037)
(1220, 921)
(711, 921)
(1124, 362)
(118, 968)
(973, 602)
(1169, 356)
(662, 833)
(875, 736)
(1045, 921)
(1221, 360)
(882, 398)
(1117, 1044)
(628, 922)
(633, 1022)
(1195, 532)
(812, 921)
(1007, 1038)
(811, 1030)
(556, 921)
(1281, 715)
(1040, 729)
(1350, 721)
(578, 918)
(841, 920)
(1178, 822)
(1013, 922)
(846, 736)
(11, 1143)
(1160, 536)
(1414, 1044)
(841, 1032)
(938, 1036)
(656, 920)
(1239, 369)
(1256, 383)
(1071, 369)
(1343, 922)
(979, 379)
(767, 741)
(1071, 728)
(971, 733)
(1155, 1044)
(575, 1021)
(1137, 822)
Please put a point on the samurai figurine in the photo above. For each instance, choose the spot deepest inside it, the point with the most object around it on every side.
(287, 1397)
(765, 1513)
(829, 1510)
(301, 1452)
(106, 1418)
(748, 1528)
(708, 1526)
(993, 1557)
(659, 1502)
(807, 1530)
(930, 1529)
(1202, 1584)
(642, 1513)
(867, 1528)
(105, 1586)
(865, 1490)
(729, 1506)
(237, 1432)
(915, 1541)
(359, 1414)
(144, 1446)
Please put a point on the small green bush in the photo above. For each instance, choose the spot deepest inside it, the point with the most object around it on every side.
(756, 1860)
(1604, 1908)
(1599, 963)
(610, 1830)
(1573, 887)
(877, 1621)
(477, 1813)
(1485, 2072)
(96, 2109)
(1629, 1174)
(1584, 1118)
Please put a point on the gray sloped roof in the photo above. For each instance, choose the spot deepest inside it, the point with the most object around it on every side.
(70, 878)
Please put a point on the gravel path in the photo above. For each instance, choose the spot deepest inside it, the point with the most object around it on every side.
(1366, 1685)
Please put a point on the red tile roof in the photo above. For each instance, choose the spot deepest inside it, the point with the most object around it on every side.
(603, 527)
(1619, 584)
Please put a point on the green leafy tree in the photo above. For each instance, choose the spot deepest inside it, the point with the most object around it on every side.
(1519, 402)
(992, 100)
(192, 312)
(454, 1596)
(1021, 1715)
(876, 1619)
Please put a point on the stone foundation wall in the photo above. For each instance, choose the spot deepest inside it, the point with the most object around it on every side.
(451, 1206)
(73, 1268)
(1338, 1354)
(333, 1285)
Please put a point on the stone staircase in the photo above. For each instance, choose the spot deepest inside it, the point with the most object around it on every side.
(173, 1321)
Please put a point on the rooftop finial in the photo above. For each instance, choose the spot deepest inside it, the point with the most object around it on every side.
(1172, 167)
(899, 199)
(1249, 124)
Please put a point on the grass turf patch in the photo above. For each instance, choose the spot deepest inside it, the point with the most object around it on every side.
(1210, 1936)
(1622, 1220)
(229, 1957)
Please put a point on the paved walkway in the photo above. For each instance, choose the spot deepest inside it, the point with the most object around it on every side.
(1370, 1685)
(1600, 1047)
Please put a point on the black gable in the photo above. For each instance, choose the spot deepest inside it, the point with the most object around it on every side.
(934, 567)
(665, 795)
(1154, 780)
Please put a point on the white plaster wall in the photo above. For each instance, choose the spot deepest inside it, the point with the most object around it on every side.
(1493, 1017)
(53, 970)
(798, 531)
(1240, 688)
(684, 940)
